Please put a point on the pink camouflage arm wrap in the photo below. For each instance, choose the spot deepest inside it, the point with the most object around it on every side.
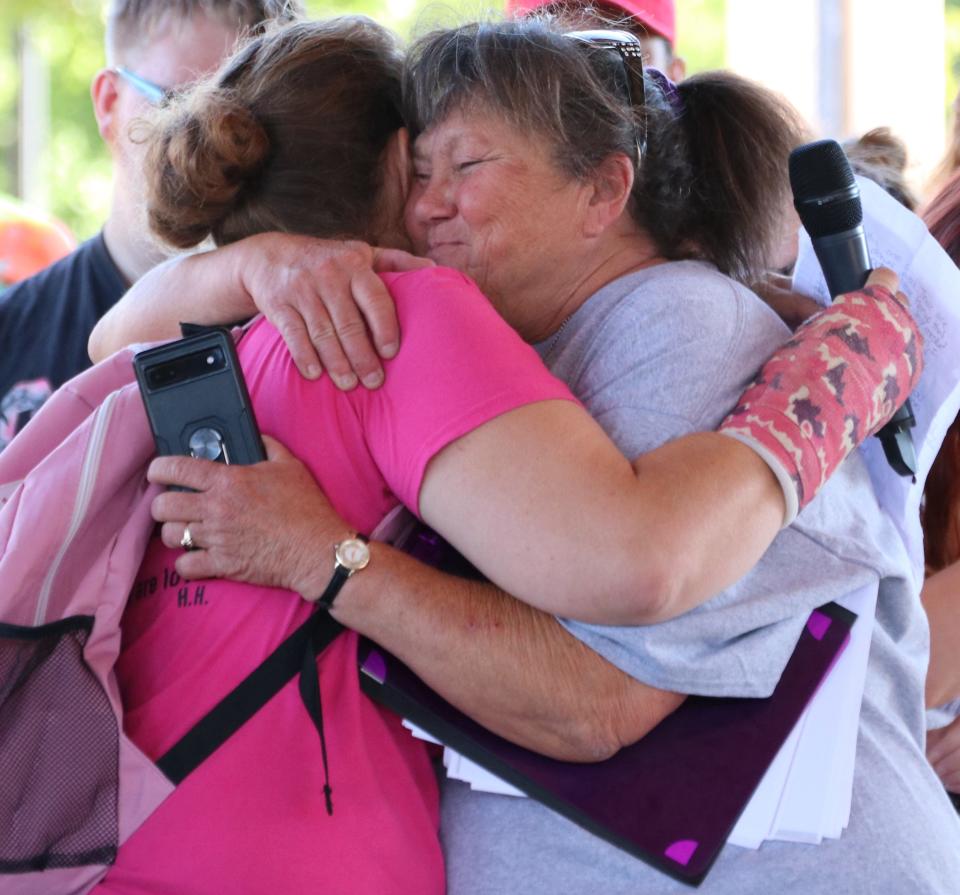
(841, 376)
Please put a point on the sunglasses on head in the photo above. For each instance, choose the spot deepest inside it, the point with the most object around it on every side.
(627, 46)
(154, 93)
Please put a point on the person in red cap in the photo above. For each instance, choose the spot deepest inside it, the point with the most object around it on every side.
(653, 21)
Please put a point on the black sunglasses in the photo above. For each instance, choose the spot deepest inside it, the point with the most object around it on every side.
(156, 94)
(630, 51)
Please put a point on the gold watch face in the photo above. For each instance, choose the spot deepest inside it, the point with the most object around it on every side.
(353, 554)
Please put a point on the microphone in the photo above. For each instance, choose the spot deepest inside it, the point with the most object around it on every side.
(827, 198)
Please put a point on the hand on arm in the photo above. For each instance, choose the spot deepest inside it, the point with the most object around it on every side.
(323, 296)
(512, 668)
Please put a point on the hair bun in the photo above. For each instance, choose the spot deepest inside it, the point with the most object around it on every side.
(206, 153)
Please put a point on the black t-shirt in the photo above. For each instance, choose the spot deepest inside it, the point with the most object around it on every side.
(45, 322)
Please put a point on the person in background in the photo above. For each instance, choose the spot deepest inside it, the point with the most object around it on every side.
(940, 516)
(654, 22)
(152, 48)
(29, 241)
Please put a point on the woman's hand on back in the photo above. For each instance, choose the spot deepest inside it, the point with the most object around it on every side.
(266, 524)
(327, 302)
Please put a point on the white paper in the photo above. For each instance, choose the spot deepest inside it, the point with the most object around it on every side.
(817, 795)
(898, 239)
(805, 794)
(754, 825)
(420, 733)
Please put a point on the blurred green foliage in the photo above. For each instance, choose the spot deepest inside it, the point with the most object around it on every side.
(700, 34)
(69, 36)
(953, 49)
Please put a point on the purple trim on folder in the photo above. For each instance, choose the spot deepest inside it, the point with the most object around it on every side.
(671, 799)
(818, 624)
(376, 666)
(682, 851)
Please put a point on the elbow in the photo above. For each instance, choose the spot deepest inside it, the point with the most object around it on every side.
(647, 593)
(584, 741)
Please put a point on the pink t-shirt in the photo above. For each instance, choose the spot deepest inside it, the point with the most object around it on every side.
(252, 819)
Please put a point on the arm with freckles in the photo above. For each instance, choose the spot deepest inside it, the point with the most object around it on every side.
(512, 668)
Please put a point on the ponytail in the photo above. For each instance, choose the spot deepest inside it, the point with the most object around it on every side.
(714, 181)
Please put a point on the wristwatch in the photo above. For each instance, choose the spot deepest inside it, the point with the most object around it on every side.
(349, 557)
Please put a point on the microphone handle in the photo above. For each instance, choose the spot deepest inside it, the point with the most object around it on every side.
(845, 261)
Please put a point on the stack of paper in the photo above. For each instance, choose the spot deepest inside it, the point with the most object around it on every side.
(805, 795)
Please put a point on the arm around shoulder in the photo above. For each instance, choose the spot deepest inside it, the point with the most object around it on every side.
(202, 288)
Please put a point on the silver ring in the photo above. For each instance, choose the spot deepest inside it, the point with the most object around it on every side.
(186, 540)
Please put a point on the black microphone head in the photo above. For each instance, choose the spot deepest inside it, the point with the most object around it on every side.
(825, 192)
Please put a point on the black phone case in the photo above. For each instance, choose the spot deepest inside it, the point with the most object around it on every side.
(197, 401)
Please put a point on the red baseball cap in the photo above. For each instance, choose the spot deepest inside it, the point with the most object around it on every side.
(658, 16)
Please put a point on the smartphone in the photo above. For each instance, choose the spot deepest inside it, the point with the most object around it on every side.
(197, 401)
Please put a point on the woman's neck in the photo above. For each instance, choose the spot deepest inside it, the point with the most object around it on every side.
(617, 259)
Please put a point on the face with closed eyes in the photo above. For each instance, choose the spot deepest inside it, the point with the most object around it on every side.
(490, 200)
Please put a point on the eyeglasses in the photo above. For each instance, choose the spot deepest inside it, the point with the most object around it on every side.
(156, 94)
(628, 47)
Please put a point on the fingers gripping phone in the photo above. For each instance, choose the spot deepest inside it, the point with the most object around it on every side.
(197, 401)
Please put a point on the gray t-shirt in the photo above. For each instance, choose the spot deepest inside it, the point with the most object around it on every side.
(655, 355)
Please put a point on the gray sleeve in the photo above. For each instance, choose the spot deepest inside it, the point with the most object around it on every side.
(673, 359)
(737, 643)
(658, 369)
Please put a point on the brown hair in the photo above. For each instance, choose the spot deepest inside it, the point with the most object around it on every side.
(713, 181)
(941, 493)
(289, 135)
(882, 157)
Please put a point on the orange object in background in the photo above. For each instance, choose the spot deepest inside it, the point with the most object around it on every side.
(29, 241)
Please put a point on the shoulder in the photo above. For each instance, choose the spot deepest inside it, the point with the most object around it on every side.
(442, 311)
(675, 344)
(425, 293)
(697, 301)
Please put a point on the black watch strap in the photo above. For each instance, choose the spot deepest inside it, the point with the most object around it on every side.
(339, 579)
